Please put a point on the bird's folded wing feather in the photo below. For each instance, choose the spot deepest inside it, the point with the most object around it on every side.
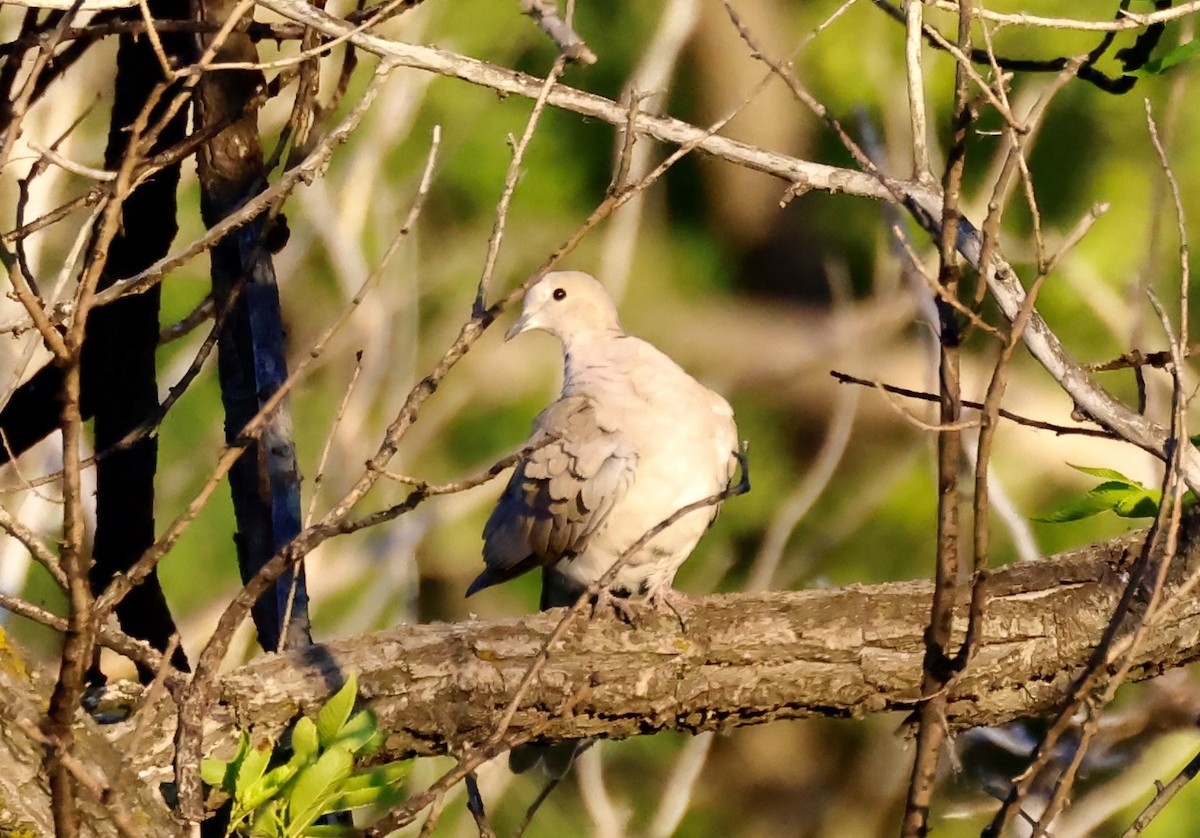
(561, 492)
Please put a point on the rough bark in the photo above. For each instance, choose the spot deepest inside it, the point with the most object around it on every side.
(742, 659)
(24, 794)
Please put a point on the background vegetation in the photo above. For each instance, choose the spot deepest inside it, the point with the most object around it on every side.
(759, 301)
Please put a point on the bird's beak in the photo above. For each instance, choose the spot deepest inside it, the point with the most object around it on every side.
(521, 325)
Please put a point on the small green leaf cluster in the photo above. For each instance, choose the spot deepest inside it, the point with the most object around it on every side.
(1118, 493)
(319, 778)
(1177, 55)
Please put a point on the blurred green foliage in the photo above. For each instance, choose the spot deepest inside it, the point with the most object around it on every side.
(734, 287)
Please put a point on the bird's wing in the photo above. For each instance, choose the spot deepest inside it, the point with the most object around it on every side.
(561, 492)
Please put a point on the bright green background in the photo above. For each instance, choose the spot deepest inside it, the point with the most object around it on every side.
(735, 288)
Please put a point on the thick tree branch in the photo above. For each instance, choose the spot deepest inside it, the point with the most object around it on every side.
(109, 785)
(742, 659)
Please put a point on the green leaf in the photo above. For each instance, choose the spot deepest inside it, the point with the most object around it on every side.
(378, 785)
(1143, 504)
(214, 771)
(362, 798)
(389, 773)
(1106, 473)
(1178, 55)
(305, 739)
(357, 733)
(268, 821)
(331, 831)
(1118, 494)
(1084, 507)
(252, 767)
(270, 785)
(316, 787)
(372, 745)
(336, 711)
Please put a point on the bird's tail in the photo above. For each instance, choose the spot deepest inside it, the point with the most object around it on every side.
(555, 759)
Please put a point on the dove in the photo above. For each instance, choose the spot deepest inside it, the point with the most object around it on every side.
(631, 440)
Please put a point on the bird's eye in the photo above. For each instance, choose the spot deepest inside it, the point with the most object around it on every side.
(559, 293)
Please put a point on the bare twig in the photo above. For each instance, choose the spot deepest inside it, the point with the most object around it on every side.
(1185, 273)
(476, 807)
(914, 70)
(34, 545)
(1125, 21)
(673, 804)
(938, 666)
(108, 636)
(319, 475)
(510, 186)
(545, 15)
(1007, 414)
(204, 311)
(1164, 794)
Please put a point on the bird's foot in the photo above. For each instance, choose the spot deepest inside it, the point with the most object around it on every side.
(665, 598)
(625, 608)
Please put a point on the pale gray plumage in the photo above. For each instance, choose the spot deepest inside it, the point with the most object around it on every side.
(632, 439)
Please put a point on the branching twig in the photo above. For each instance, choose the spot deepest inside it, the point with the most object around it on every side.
(1061, 430)
(510, 186)
(545, 15)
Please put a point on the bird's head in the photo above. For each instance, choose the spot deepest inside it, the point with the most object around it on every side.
(566, 304)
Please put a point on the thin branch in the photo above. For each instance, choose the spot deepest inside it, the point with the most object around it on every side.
(1125, 21)
(35, 546)
(109, 637)
(570, 45)
(319, 475)
(1163, 795)
(914, 72)
(510, 185)
(1061, 430)
(1185, 272)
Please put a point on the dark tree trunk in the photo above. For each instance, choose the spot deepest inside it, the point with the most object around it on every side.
(265, 482)
(119, 380)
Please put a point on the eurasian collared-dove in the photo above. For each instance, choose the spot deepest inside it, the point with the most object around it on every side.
(631, 440)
